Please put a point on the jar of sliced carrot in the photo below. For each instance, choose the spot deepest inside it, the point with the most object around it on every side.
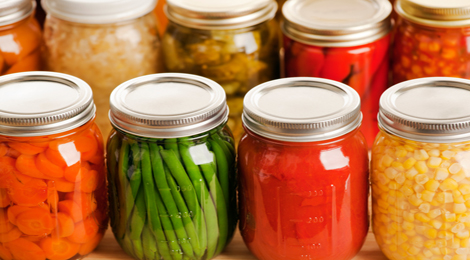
(171, 168)
(20, 37)
(53, 195)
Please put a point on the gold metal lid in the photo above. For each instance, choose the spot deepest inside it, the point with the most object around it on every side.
(436, 13)
(220, 14)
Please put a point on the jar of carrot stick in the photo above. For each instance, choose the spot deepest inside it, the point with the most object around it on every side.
(53, 195)
(20, 37)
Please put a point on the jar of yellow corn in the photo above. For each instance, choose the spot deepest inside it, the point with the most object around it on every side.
(421, 170)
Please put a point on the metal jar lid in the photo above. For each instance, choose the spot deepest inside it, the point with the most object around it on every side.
(432, 110)
(220, 14)
(12, 11)
(168, 105)
(302, 109)
(336, 23)
(41, 103)
(436, 13)
(98, 11)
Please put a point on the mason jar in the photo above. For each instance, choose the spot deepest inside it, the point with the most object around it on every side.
(303, 171)
(235, 43)
(53, 195)
(431, 39)
(421, 170)
(102, 42)
(171, 168)
(20, 37)
(347, 41)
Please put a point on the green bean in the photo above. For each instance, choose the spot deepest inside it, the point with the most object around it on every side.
(127, 246)
(222, 170)
(201, 233)
(168, 229)
(138, 249)
(112, 164)
(138, 217)
(123, 182)
(172, 144)
(218, 197)
(136, 177)
(150, 192)
(149, 244)
(203, 196)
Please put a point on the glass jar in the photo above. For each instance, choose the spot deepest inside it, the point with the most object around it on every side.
(303, 171)
(420, 170)
(347, 41)
(103, 43)
(53, 195)
(432, 39)
(235, 43)
(171, 168)
(20, 37)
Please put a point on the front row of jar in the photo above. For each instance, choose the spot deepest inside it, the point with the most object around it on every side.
(303, 169)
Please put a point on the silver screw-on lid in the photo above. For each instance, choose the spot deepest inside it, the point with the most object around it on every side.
(168, 105)
(427, 110)
(302, 109)
(12, 11)
(41, 103)
(336, 23)
(220, 14)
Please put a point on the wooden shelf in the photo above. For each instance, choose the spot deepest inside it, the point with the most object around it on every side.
(109, 249)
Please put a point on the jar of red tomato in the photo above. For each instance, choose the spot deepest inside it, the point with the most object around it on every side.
(344, 40)
(53, 196)
(432, 39)
(20, 37)
(303, 171)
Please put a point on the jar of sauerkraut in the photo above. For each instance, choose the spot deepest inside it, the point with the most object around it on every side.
(102, 42)
(421, 170)
(235, 43)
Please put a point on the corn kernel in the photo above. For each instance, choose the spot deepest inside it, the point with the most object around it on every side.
(455, 243)
(429, 243)
(440, 243)
(465, 242)
(418, 189)
(427, 195)
(421, 229)
(390, 173)
(448, 184)
(425, 207)
(446, 155)
(398, 166)
(430, 233)
(446, 164)
(445, 251)
(434, 162)
(401, 152)
(410, 233)
(422, 217)
(459, 208)
(441, 174)
(413, 250)
(445, 235)
(446, 226)
(403, 205)
(387, 161)
(408, 216)
(444, 197)
(459, 176)
(417, 241)
(450, 217)
(401, 238)
(458, 227)
(409, 163)
(393, 185)
(414, 200)
(431, 185)
(421, 155)
(434, 153)
(459, 257)
(464, 189)
(463, 234)
(400, 178)
(393, 247)
(435, 223)
(408, 225)
(421, 167)
(434, 213)
(455, 168)
(406, 190)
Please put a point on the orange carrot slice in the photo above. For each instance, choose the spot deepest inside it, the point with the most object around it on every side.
(5, 225)
(84, 231)
(55, 157)
(47, 167)
(15, 210)
(64, 225)
(28, 63)
(61, 185)
(31, 193)
(34, 239)
(23, 178)
(52, 199)
(4, 200)
(35, 222)
(25, 148)
(59, 249)
(89, 181)
(90, 245)
(74, 173)
(11, 235)
(26, 165)
(5, 253)
(22, 249)
(3, 148)
(72, 209)
(86, 201)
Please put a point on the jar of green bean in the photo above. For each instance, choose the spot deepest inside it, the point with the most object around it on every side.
(171, 167)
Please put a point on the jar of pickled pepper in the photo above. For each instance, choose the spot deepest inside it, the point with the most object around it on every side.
(421, 170)
(303, 171)
(171, 168)
(104, 43)
(20, 37)
(235, 43)
(343, 40)
(432, 39)
(53, 195)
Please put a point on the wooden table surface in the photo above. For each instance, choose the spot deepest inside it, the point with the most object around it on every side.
(109, 249)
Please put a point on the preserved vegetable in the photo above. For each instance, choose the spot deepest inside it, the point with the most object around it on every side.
(420, 183)
(103, 54)
(53, 195)
(338, 51)
(20, 37)
(237, 56)
(189, 176)
(303, 194)
(431, 45)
